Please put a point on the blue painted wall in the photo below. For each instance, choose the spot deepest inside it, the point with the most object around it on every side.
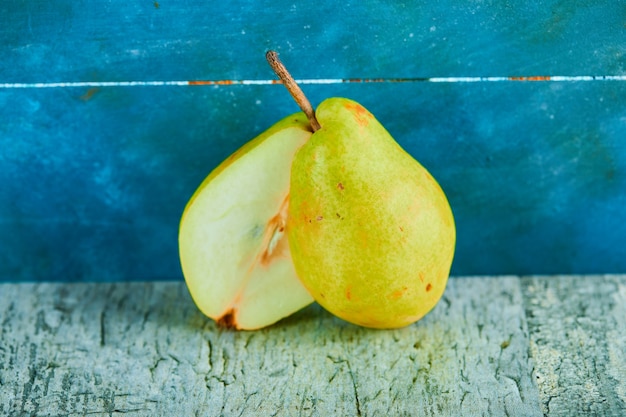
(93, 180)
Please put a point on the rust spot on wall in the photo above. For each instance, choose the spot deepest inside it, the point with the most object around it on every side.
(89, 94)
(532, 78)
(212, 82)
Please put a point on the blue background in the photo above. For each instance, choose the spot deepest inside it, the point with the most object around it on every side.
(93, 180)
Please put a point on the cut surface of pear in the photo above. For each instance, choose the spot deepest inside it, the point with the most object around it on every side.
(371, 232)
(232, 245)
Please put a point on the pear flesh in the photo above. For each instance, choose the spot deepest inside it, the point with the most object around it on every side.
(371, 232)
(232, 244)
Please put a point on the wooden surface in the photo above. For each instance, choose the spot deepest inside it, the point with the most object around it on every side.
(495, 346)
(95, 178)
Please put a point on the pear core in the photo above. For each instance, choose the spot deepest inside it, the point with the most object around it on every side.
(371, 232)
(232, 245)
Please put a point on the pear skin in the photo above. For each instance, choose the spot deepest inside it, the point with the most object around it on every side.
(232, 245)
(371, 232)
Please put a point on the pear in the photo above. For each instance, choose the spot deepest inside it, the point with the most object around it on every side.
(323, 206)
(371, 232)
(232, 245)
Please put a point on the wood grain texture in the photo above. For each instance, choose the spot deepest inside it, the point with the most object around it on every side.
(143, 349)
(549, 346)
(578, 343)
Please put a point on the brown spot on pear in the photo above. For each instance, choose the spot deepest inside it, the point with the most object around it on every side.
(227, 321)
(360, 113)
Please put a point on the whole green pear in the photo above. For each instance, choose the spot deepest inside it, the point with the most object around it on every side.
(371, 232)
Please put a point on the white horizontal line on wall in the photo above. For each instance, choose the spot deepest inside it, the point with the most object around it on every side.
(102, 84)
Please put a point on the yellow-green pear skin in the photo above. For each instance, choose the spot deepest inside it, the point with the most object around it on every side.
(371, 232)
(232, 245)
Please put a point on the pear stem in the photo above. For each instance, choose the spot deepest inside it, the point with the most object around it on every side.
(293, 88)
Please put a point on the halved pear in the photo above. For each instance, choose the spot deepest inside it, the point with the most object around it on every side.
(233, 248)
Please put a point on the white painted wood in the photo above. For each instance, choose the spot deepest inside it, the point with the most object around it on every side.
(143, 349)
(578, 342)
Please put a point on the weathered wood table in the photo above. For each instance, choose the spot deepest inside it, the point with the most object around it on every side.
(493, 346)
